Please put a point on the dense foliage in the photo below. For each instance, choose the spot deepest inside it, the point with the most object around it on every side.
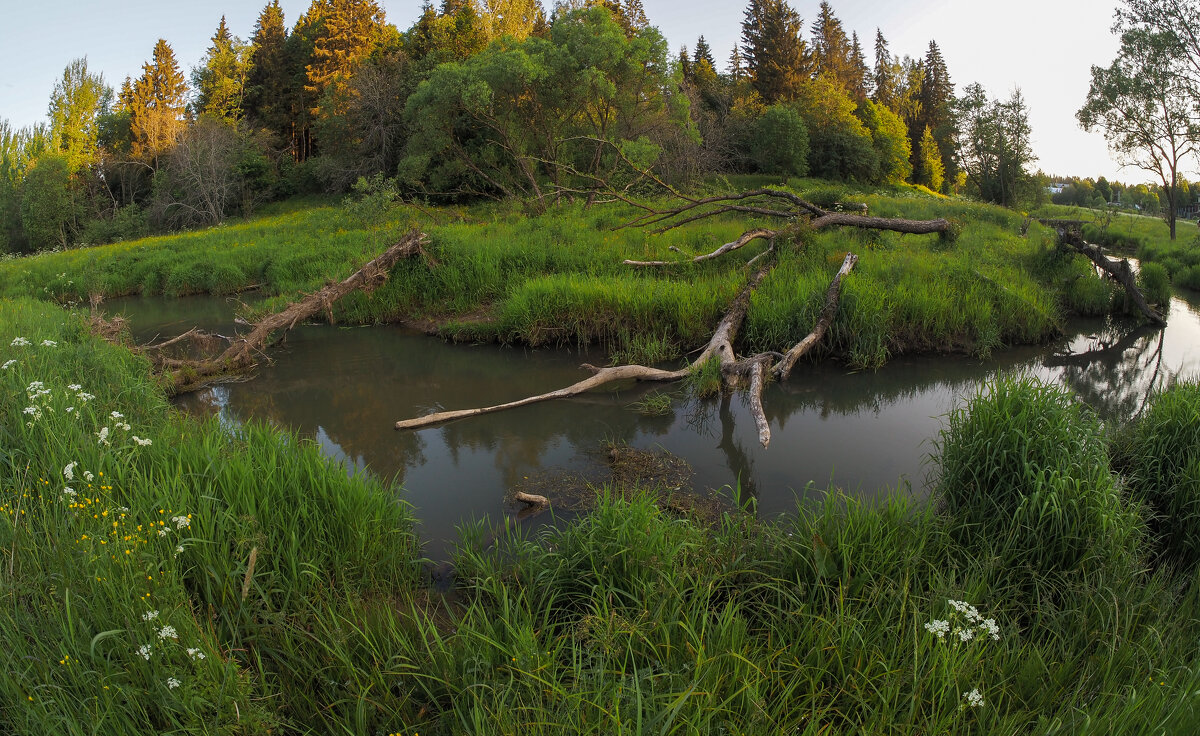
(477, 99)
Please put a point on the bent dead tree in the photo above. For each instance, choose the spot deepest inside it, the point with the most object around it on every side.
(243, 351)
(1070, 232)
(754, 370)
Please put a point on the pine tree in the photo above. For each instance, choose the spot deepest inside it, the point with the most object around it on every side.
(703, 52)
(776, 55)
(831, 48)
(937, 104)
(860, 75)
(269, 91)
(347, 32)
(159, 104)
(885, 75)
(737, 65)
(221, 80)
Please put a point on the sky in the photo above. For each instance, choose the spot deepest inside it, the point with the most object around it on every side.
(1046, 47)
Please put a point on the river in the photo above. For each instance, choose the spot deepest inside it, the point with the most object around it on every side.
(868, 433)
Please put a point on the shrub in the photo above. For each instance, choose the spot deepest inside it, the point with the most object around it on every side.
(779, 142)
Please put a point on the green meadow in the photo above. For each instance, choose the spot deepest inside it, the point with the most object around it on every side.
(495, 274)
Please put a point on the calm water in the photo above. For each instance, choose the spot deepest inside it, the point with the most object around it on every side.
(865, 432)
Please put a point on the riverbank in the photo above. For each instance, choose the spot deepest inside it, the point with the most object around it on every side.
(494, 274)
(1147, 238)
(233, 584)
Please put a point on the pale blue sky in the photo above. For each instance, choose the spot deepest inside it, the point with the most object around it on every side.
(1044, 46)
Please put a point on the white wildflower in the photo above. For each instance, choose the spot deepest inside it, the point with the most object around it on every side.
(70, 410)
(69, 491)
(116, 415)
(84, 396)
(87, 475)
(181, 521)
(965, 634)
(103, 435)
(33, 411)
(990, 628)
(167, 632)
(18, 342)
(149, 615)
(34, 387)
(122, 426)
(8, 364)
(142, 442)
(195, 654)
(163, 532)
(973, 698)
(49, 344)
(179, 550)
(69, 470)
(145, 650)
(172, 683)
(938, 627)
(74, 387)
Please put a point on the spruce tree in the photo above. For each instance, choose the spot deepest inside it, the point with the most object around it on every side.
(737, 65)
(221, 79)
(777, 57)
(937, 104)
(703, 52)
(269, 89)
(831, 48)
(159, 104)
(884, 75)
(346, 33)
(860, 75)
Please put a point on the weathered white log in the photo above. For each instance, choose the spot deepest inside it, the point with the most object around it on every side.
(783, 369)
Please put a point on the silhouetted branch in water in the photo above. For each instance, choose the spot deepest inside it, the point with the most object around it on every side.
(1069, 233)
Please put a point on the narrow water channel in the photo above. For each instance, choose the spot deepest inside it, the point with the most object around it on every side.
(865, 432)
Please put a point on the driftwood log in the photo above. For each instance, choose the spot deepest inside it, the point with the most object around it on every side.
(754, 370)
(184, 374)
(1070, 233)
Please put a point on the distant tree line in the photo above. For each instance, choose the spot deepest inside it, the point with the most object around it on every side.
(492, 98)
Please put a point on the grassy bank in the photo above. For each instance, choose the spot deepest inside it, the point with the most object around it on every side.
(1147, 238)
(213, 583)
(495, 274)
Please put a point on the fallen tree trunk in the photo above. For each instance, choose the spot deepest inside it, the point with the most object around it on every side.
(783, 369)
(1120, 271)
(719, 347)
(183, 374)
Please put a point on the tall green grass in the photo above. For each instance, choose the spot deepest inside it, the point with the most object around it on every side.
(243, 541)
(299, 585)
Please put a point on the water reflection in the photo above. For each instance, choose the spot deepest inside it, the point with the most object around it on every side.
(866, 432)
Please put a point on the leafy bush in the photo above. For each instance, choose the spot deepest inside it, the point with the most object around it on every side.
(127, 223)
(779, 142)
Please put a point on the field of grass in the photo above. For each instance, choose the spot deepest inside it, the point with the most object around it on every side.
(1147, 238)
(162, 575)
(496, 274)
